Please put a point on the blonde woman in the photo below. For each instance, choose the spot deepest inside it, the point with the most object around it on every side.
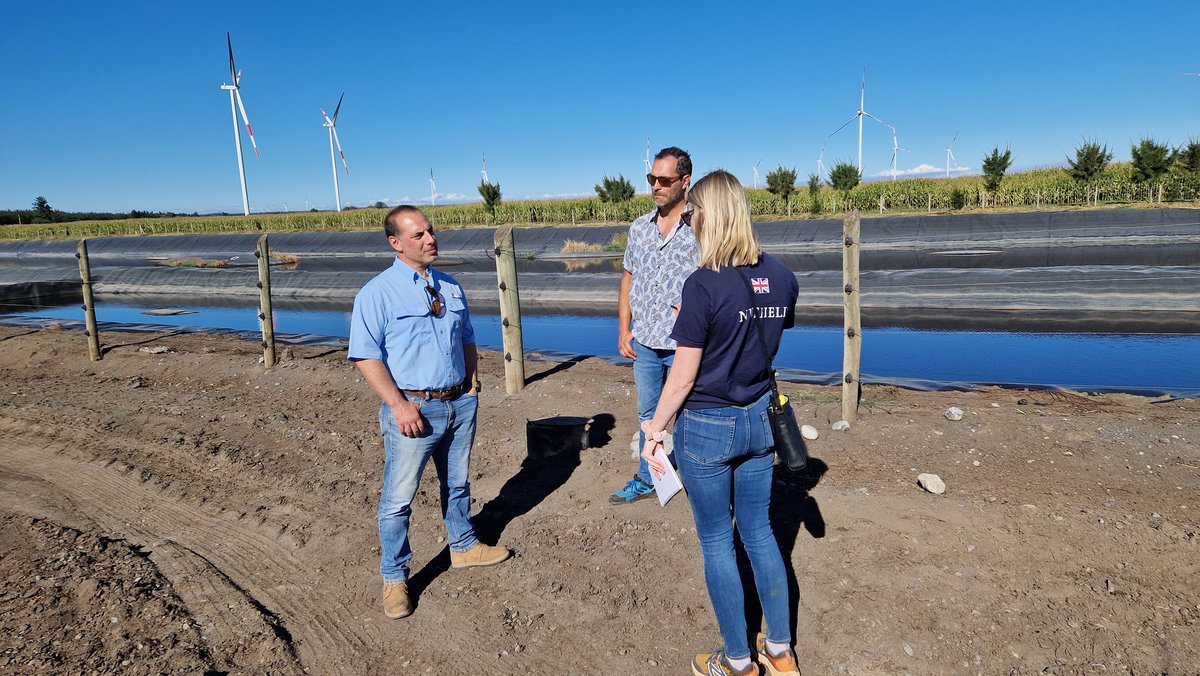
(738, 299)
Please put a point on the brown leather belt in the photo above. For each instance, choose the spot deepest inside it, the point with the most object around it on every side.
(442, 395)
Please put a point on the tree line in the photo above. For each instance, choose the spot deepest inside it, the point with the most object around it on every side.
(42, 212)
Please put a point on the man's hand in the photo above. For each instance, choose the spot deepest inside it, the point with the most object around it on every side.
(625, 345)
(408, 418)
(625, 318)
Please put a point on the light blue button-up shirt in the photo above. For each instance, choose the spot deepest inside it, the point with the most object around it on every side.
(393, 322)
(659, 265)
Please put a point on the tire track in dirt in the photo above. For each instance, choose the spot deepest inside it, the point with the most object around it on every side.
(226, 573)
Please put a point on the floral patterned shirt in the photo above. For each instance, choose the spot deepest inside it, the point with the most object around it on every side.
(659, 267)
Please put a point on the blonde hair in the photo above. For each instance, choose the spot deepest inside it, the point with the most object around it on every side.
(726, 236)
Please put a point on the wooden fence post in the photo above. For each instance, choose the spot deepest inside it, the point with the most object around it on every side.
(265, 318)
(89, 307)
(510, 309)
(852, 320)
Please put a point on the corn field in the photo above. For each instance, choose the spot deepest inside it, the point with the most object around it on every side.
(1043, 188)
(1034, 189)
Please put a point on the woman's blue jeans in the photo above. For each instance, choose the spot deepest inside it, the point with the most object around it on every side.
(449, 433)
(726, 461)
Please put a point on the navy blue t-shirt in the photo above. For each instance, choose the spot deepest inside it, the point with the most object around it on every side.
(718, 314)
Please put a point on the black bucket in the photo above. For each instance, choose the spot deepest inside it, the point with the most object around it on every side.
(556, 436)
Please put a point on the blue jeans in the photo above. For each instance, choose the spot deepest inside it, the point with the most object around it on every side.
(726, 461)
(649, 373)
(450, 431)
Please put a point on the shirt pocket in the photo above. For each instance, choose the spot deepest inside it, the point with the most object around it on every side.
(456, 303)
(405, 322)
(399, 313)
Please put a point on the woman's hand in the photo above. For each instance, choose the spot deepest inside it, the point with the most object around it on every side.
(653, 443)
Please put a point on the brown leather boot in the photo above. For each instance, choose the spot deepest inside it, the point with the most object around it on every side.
(479, 555)
(395, 600)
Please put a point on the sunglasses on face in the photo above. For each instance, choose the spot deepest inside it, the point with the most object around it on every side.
(435, 301)
(664, 181)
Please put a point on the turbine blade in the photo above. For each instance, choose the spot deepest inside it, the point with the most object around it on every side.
(339, 107)
(338, 143)
(328, 122)
(232, 68)
(844, 125)
(953, 139)
(876, 119)
(242, 108)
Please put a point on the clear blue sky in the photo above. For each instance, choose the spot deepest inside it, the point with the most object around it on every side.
(117, 106)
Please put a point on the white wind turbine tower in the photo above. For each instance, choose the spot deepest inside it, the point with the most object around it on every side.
(432, 190)
(331, 124)
(895, 151)
(862, 112)
(484, 172)
(950, 155)
(235, 104)
(756, 174)
(646, 162)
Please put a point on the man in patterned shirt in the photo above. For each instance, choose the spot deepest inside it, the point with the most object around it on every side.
(660, 255)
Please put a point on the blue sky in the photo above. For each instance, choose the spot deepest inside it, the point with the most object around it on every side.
(117, 106)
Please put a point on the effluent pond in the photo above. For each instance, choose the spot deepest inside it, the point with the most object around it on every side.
(925, 358)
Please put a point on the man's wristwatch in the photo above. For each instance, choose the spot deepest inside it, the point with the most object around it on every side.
(476, 385)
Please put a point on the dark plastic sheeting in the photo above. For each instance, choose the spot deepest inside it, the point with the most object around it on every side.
(1120, 260)
(1013, 229)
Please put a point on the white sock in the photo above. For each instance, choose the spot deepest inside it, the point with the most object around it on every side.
(777, 649)
(740, 664)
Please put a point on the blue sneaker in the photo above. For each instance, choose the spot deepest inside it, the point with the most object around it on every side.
(633, 491)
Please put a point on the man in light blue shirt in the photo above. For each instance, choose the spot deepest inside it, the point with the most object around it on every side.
(660, 255)
(411, 338)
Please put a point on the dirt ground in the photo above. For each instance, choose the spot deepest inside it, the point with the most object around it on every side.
(178, 508)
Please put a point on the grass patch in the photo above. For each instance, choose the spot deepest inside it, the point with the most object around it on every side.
(195, 263)
(619, 242)
(577, 246)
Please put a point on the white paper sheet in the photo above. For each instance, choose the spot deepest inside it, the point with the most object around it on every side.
(668, 484)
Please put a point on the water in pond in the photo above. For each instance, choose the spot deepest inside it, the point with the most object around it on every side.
(1140, 363)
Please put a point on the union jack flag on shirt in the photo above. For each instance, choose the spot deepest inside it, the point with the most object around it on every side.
(760, 284)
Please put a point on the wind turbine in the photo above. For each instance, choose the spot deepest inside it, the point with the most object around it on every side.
(895, 150)
(331, 124)
(756, 174)
(821, 162)
(950, 155)
(646, 162)
(862, 112)
(432, 190)
(235, 104)
(484, 172)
